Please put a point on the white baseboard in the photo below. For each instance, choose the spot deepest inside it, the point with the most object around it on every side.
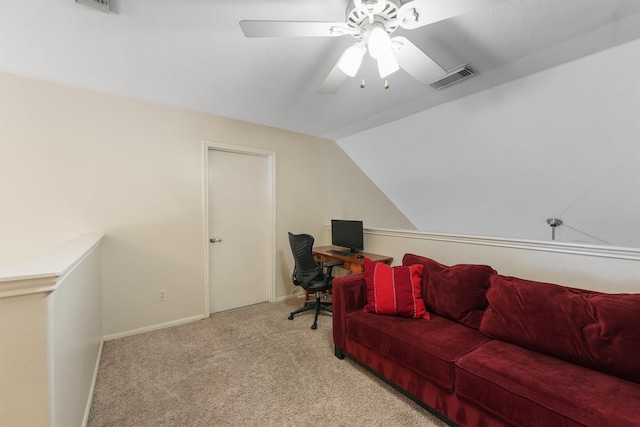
(296, 294)
(152, 328)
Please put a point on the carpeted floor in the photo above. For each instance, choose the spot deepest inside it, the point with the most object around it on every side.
(246, 367)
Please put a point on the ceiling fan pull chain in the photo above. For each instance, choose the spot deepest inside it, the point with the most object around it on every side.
(362, 84)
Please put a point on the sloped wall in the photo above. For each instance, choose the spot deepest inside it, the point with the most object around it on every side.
(562, 143)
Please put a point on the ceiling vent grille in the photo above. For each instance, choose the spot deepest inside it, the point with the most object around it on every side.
(455, 76)
(102, 5)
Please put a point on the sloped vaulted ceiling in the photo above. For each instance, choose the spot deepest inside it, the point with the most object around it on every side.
(193, 54)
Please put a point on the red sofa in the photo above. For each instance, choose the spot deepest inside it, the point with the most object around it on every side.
(500, 351)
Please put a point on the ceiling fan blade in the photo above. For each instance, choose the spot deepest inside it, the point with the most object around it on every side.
(334, 80)
(293, 29)
(418, 13)
(417, 63)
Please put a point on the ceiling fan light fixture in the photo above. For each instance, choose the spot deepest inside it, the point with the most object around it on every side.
(387, 65)
(351, 59)
(379, 42)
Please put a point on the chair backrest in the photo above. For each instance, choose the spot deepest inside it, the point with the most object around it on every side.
(306, 268)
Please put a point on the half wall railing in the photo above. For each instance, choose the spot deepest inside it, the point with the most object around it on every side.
(51, 335)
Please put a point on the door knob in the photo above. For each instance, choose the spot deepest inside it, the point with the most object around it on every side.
(212, 240)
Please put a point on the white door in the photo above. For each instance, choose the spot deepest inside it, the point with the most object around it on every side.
(238, 198)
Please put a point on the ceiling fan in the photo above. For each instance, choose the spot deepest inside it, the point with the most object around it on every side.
(371, 23)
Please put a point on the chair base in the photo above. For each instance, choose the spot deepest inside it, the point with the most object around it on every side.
(313, 305)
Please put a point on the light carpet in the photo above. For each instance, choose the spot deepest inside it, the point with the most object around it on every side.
(246, 367)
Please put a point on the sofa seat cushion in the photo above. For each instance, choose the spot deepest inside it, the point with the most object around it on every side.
(430, 347)
(593, 329)
(531, 389)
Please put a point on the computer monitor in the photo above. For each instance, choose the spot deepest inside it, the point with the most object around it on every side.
(347, 234)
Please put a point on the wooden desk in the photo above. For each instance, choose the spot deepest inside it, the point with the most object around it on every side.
(350, 262)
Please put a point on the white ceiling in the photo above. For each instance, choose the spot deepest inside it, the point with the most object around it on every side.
(193, 54)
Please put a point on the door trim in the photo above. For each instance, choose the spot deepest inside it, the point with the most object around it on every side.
(271, 195)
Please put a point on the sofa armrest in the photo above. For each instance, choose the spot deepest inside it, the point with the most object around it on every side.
(348, 294)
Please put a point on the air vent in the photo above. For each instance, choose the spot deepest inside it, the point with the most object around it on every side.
(455, 76)
(102, 5)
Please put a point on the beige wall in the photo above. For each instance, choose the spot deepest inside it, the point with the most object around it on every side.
(24, 363)
(351, 195)
(74, 161)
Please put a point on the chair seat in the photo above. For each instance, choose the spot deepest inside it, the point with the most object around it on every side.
(318, 287)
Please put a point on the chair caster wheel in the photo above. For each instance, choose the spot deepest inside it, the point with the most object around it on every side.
(291, 317)
(314, 326)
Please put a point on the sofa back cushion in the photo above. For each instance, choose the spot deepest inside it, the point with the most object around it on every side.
(593, 329)
(457, 292)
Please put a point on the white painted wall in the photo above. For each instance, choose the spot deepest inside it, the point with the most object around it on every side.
(74, 161)
(77, 340)
(594, 267)
(562, 143)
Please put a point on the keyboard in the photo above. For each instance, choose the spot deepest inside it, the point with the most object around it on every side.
(344, 253)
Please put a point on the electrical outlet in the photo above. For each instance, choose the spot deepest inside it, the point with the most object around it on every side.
(162, 295)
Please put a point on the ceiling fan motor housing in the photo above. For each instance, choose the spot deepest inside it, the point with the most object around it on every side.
(370, 6)
(361, 13)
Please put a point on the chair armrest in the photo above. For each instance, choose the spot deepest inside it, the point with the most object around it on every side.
(329, 266)
(348, 294)
(333, 263)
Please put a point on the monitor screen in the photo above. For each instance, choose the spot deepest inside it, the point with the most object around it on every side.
(347, 234)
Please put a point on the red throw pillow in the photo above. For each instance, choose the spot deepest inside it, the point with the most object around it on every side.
(394, 290)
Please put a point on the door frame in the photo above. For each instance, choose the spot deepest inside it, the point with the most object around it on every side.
(271, 196)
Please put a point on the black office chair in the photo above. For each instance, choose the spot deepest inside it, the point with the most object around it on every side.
(308, 274)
